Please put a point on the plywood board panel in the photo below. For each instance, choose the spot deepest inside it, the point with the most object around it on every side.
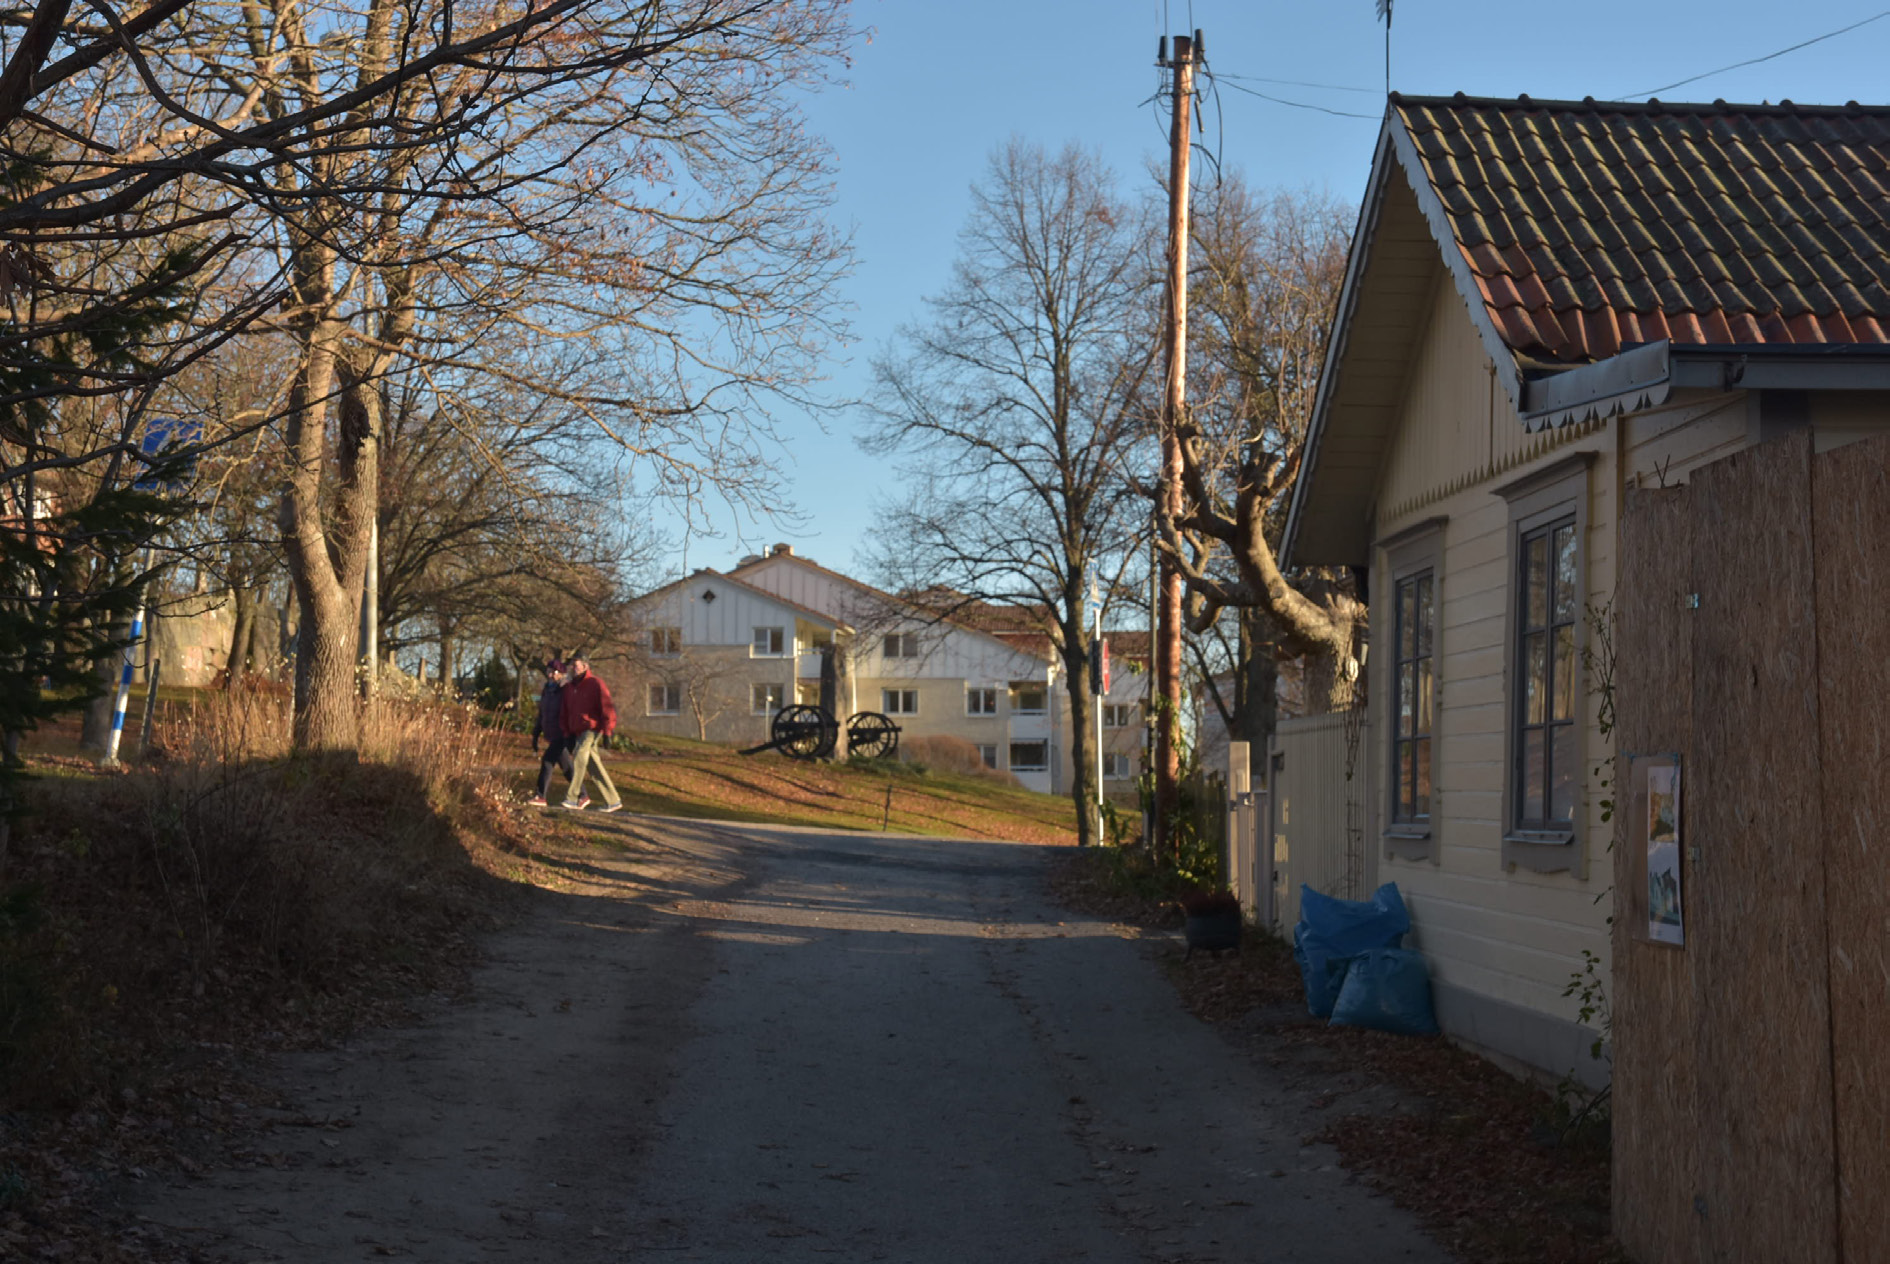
(1755, 901)
(1852, 539)
(1656, 1160)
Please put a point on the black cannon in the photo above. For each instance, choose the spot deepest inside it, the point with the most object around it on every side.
(808, 732)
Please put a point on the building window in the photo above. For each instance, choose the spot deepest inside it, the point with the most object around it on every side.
(900, 645)
(987, 751)
(1548, 607)
(807, 693)
(665, 699)
(665, 642)
(1118, 715)
(980, 701)
(770, 642)
(1117, 766)
(1029, 698)
(1030, 756)
(766, 699)
(899, 701)
(1414, 688)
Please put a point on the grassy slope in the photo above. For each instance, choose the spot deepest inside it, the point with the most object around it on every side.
(675, 777)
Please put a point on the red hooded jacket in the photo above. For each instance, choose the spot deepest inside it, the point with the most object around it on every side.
(587, 706)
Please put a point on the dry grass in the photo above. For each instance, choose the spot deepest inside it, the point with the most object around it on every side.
(225, 896)
(667, 776)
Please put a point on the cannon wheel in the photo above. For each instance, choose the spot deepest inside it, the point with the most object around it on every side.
(804, 732)
(871, 735)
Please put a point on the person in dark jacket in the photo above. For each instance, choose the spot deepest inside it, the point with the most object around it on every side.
(550, 726)
(588, 716)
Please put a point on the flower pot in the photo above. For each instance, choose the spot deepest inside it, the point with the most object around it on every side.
(1213, 932)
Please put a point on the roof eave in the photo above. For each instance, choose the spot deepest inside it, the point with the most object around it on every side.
(1368, 213)
(1395, 149)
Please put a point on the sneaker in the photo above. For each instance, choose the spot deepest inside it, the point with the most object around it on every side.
(613, 807)
(537, 801)
(577, 805)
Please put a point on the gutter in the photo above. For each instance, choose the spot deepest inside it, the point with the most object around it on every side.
(1646, 376)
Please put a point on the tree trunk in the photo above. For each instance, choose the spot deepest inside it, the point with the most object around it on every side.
(446, 659)
(327, 560)
(240, 636)
(1083, 749)
(95, 725)
(1256, 691)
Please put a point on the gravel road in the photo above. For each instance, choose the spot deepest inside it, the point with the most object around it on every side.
(744, 1043)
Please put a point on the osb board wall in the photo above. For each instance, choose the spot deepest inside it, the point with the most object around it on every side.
(1756, 910)
(1851, 522)
(1652, 1033)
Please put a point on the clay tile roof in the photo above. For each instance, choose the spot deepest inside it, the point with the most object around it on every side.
(1587, 225)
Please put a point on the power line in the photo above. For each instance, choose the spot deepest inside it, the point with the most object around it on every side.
(1301, 105)
(1753, 61)
(1301, 83)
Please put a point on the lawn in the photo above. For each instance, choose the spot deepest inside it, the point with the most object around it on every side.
(667, 776)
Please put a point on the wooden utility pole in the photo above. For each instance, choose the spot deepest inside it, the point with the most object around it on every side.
(1174, 400)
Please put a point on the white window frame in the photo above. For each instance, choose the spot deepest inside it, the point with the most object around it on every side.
(671, 703)
(665, 642)
(893, 701)
(1043, 767)
(1118, 715)
(988, 752)
(1042, 690)
(986, 696)
(770, 642)
(1118, 766)
(765, 697)
(899, 645)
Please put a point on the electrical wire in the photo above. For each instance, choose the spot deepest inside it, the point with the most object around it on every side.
(1753, 61)
(1301, 83)
(1302, 105)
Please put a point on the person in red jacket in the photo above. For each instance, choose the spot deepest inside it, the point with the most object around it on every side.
(589, 716)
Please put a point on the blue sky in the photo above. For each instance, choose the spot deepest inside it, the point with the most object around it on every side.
(940, 83)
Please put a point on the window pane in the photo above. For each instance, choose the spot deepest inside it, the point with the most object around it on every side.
(1407, 787)
(1423, 746)
(1424, 689)
(1567, 583)
(1562, 774)
(1425, 617)
(1536, 582)
(1407, 698)
(1407, 619)
(1532, 773)
(1565, 672)
(1535, 677)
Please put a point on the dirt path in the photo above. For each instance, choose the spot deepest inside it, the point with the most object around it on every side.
(751, 1043)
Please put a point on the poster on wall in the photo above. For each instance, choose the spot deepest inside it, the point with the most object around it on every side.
(1665, 921)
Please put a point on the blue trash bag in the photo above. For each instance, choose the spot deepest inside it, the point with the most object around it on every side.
(1332, 931)
(1388, 989)
(1322, 974)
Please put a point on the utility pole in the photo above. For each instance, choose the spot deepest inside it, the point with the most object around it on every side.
(1174, 400)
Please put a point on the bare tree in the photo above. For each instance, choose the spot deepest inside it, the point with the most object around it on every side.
(1017, 406)
(399, 183)
(1265, 285)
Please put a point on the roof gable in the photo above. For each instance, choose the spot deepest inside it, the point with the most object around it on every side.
(880, 598)
(1590, 233)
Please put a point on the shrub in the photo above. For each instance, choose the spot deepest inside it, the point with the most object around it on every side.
(951, 755)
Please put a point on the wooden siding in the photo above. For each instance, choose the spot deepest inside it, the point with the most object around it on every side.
(1309, 810)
